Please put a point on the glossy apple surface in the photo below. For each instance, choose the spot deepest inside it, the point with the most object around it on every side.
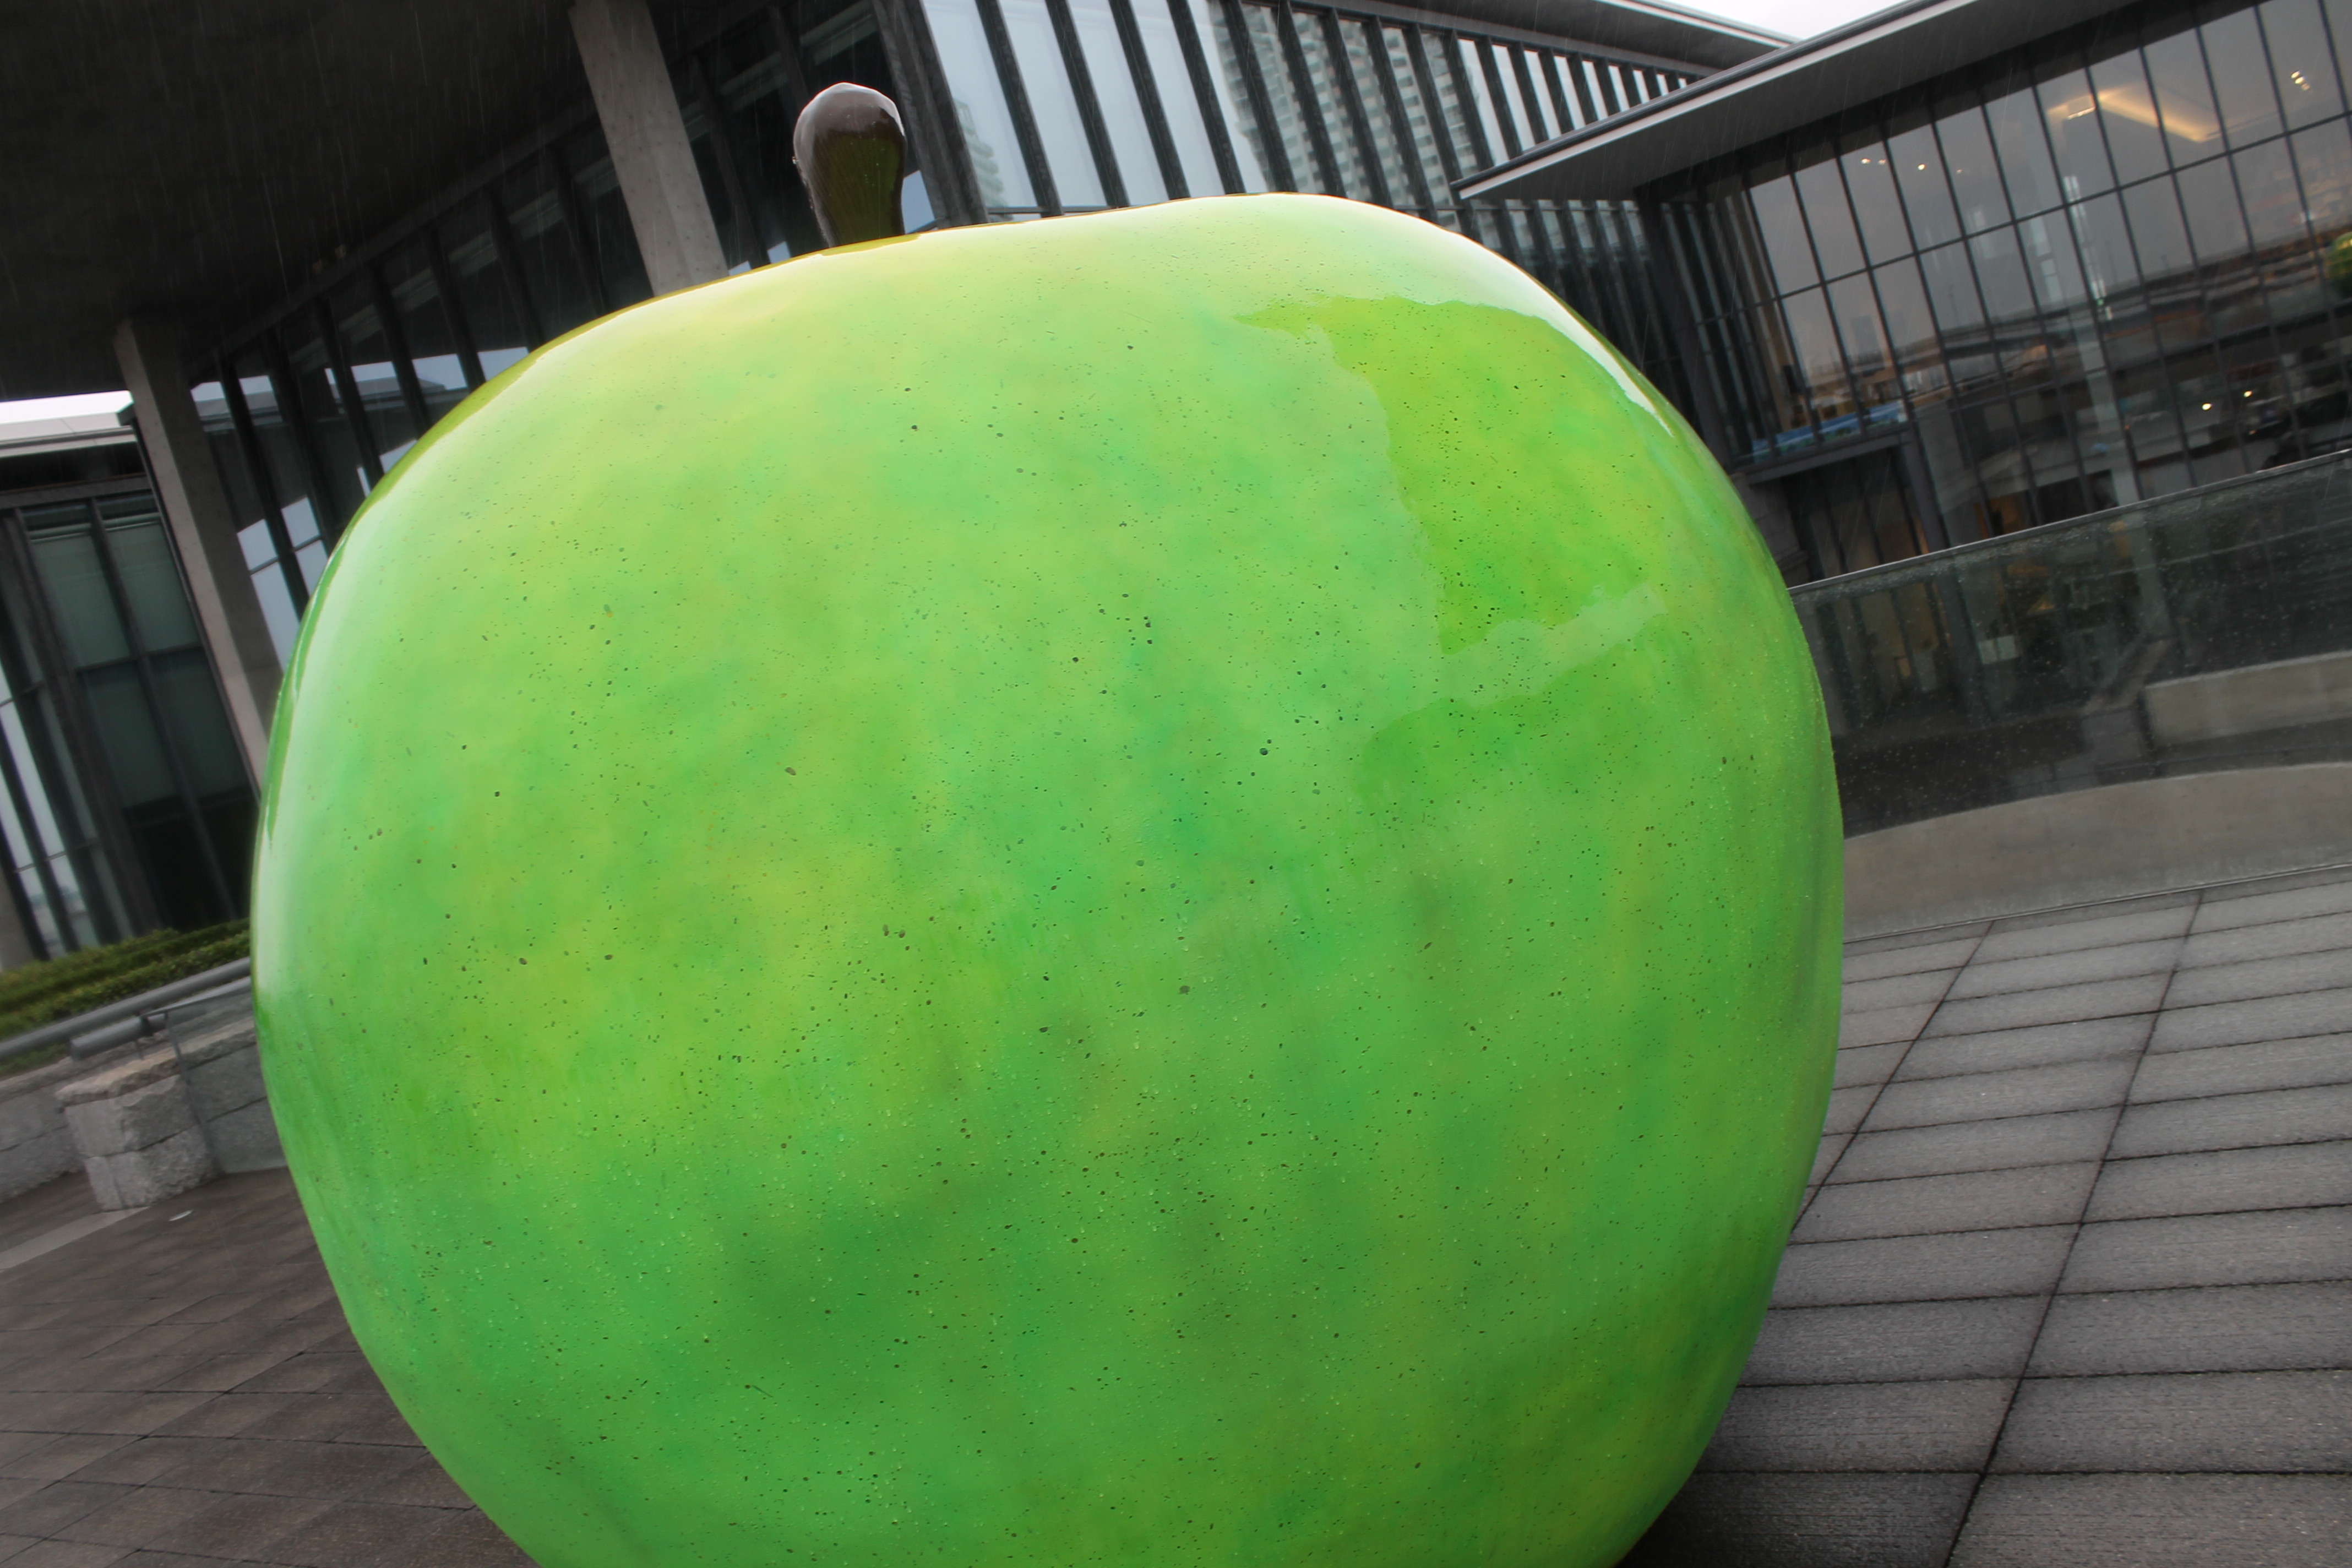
(1146, 889)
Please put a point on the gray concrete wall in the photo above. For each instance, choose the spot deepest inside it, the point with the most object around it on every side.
(2105, 843)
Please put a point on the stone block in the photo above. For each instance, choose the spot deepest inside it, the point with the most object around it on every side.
(1896, 941)
(1867, 1063)
(1895, 1342)
(1860, 1427)
(131, 1120)
(2056, 1005)
(2103, 925)
(1847, 1107)
(2259, 977)
(2236, 1022)
(2245, 1421)
(152, 1173)
(1878, 964)
(2159, 1522)
(35, 1161)
(1997, 1146)
(2019, 1262)
(2240, 1069)
(2240, 944)
(1790, 1521)
(1975, 1200)
(2236, 1121)
(1896, 989)
(2037, 1044)
(1884, 1025)
(2267, 902)
(2280, 1247)
(1983, 1097)
(247, 1138)
(2225, 1181)
(225, 1082)
(2223, 1328)
(2072, 967)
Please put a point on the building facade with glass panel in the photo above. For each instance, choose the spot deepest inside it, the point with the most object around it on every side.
(2083, 270)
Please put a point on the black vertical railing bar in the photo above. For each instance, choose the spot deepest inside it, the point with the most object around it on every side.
(1016, 103)
(787, 55)
(46, 874)
(1573, 66)
(176, 765)
(1399, 120)
(1529, 99)
(1204, 90)
(1351, 98)
(1090, 114)
(1613, 100)
(722, 154)
(1505, 120)
(347, 387)
(1547, 268)
(1303, 94)
(510, 269)
(557, 169)
(1450, 47)
(265, 485)
(469, 358)
(108, 827)
(395, 343)
(43, 870)
(1561, 108)
(1147, 98)
(296, 418)
(1271, 151)
(1425, 78)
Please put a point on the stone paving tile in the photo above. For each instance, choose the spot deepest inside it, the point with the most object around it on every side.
(2183, 1028)
(2100, 927)
(1895, 991)
(1728, 1519)
(2293, 1175)
(2019, 1091)
(1895, 1343)
(1886, 1025)
(2278, 1246)
(2262, 977)
(469, 1540)
(1867, 1063)
(1946, 954)
(2238, 944)
(2107, 909)
(2226, 1327)
(2056, 1005)
(1894, 940)
(2019, 1262)
(2039, 1045)
(2235, 1121)
(1998, 1145)
(1847, 1107)
(1827, 1155)
(2270, 1421)
(2074, 967)
(2247, 904)
(1861, 1427)
(2237, 1069)
(2159, 1522)
(1973, 1200)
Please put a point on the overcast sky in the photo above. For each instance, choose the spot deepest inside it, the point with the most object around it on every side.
(1796, 18)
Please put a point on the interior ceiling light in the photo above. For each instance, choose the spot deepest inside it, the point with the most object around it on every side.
(2165, 111)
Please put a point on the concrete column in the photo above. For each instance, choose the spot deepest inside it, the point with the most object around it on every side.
(638, 108)
(205, 529)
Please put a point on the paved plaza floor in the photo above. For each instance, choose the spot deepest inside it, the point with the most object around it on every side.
(2070, 1289)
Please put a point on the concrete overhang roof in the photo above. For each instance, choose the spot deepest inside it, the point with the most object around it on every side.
(1900, 47)
(198, 160)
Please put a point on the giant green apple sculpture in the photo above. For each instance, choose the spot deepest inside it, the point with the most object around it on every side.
(1157, 889)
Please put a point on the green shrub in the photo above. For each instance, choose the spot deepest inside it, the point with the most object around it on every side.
(38, 993)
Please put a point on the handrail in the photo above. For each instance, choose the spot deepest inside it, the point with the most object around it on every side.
(84, 1024)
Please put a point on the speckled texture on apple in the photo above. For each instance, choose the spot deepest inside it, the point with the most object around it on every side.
(1156, 888)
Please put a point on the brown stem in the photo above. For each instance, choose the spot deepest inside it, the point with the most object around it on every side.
(851, 153)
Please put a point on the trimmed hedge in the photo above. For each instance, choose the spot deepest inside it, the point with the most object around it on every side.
(38, 993)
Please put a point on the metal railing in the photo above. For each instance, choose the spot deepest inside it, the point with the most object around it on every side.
(2205, 630)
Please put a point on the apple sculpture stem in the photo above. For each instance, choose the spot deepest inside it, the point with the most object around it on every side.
(851, 151)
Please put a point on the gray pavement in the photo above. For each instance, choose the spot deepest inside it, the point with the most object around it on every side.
(2070, 1289)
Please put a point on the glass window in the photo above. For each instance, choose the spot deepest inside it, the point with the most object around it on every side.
(1927, 195)
(1178, 100)
(1122, 109)
(2242, 78)
(490, 306)
(2322, 158)
(1856, 310)
(2217, 227)
(335, 438)
(289, 470)
(1782, 227)
(2302, 71)
(1952, 290)
(1976, 173)
(981, 111)
(1829, 215)
(1231, 89)
(2127, 113)
(1320, 72)
(1876, 208)
(2072, 114)
(1393, 154)
(1817, 364)
(75, 580)
(2184, 98)
(2002, 276)
(353, 308)
(425, 327)
(1289, 125)
(128, 735)
(1470, 82)
(2106, 247)
(1910, 329)
(199, 729)
(151, 577)
(532, 199)
(2023, 150)
(2049, 261)
(2158, 233)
